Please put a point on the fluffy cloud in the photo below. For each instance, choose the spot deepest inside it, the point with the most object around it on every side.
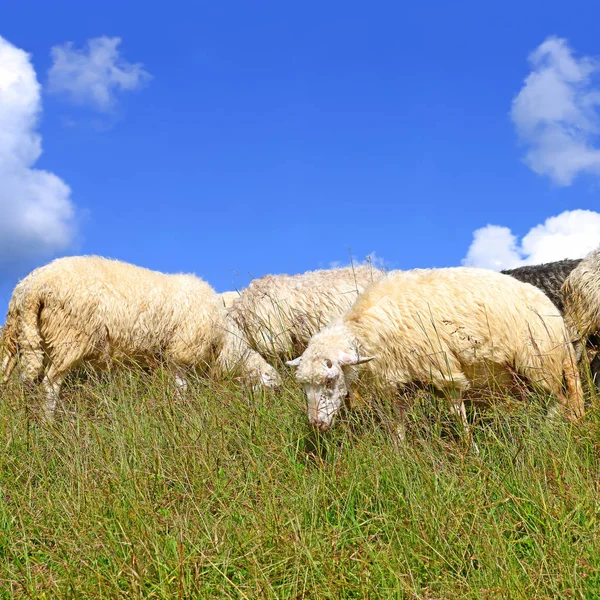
(92, 76)
(555, 113)
(35, 207)
(572, 234)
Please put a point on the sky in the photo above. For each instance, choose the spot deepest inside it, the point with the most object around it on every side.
(237, 139)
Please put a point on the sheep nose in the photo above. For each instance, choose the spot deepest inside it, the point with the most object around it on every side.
(271, 381)
(319, 425)
(275, 384)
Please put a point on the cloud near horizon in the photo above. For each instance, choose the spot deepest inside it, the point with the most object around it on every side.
(556, 113)
(571, 234)
(38, 216)
(93, 76)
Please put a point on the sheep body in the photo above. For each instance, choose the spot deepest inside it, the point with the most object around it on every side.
(279, 313)
(455, 329)
(101, 311)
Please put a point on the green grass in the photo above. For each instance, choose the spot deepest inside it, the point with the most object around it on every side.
(138, 492)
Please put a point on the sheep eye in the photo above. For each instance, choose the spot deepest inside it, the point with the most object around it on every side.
(328, 363)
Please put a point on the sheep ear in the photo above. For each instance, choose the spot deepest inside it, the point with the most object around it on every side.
(293, 363)
(348, 359)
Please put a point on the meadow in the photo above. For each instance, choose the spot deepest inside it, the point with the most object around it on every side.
(137, 491)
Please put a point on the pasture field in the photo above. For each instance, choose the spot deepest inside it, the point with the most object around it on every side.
(137, 492)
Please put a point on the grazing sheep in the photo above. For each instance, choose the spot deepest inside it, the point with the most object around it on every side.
(454, 329)
(279, 313)
(100, 311)
(549, 277)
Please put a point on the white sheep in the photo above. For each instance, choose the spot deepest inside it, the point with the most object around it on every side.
(279, 313)
(100, 311)
(454, 329)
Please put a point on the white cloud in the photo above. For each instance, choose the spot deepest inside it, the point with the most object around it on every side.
(36, 213)
(370, 259)
(555, 113)
(92, 76)
(572, 234)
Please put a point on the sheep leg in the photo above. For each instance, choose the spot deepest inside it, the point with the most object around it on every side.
(399, 435)
(397, 425)
(571, 404)
(579, 348)
(181, 384)
(51, 385)
(458, 409)
(403, 406)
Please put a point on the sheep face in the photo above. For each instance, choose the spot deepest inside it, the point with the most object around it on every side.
(261, 373)
(269, 377)
(327, 381)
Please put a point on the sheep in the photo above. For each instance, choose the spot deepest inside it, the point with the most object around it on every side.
(548, 277)
(454, 329)
(279, 313)
(581, 297)
(101, 311)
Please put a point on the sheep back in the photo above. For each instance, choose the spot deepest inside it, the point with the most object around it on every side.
(279, 313)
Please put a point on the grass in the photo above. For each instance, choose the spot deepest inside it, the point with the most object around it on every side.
(139, 492)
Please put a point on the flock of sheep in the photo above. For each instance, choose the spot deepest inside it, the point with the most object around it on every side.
(456, 330)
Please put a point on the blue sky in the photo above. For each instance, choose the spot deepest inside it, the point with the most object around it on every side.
(270, 137)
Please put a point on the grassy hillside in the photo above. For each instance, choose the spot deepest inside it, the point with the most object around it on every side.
(137, 492)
